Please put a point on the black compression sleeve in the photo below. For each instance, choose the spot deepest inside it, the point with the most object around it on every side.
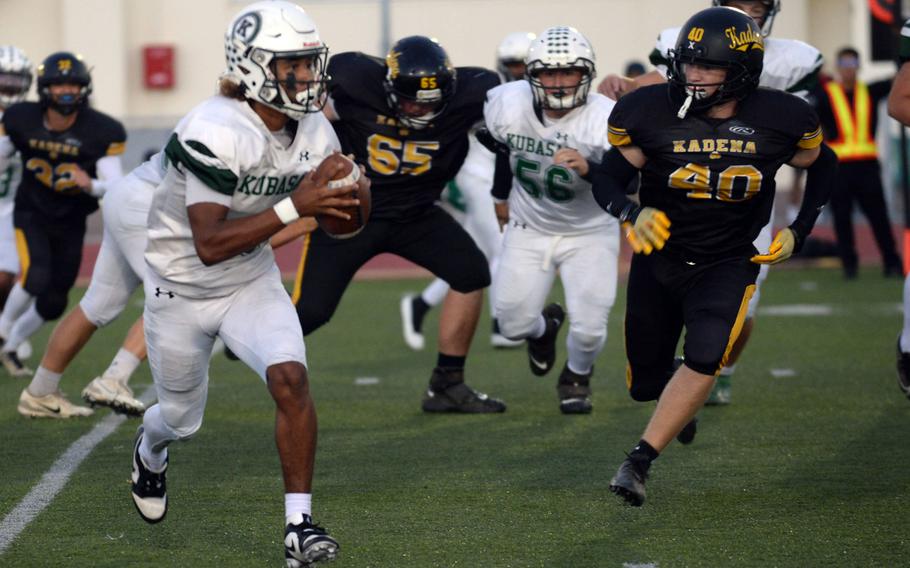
(502, 175)
(609, 181)
(820, 179)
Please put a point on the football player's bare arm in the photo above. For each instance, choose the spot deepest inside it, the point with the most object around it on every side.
(218, 238)
(294, 231)
(501, 209)
(899, 99)
(614, 86)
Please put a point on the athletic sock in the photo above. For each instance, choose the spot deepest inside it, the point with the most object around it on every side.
(450, 362)
(26, 326)
(16, 303)
(44, 382)
(122, 367)
(297, 504)
(419, 308)
(540, 328)
(644, 453)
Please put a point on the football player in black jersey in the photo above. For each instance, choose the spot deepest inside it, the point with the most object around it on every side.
(707, 145)
(70, 152)
(407, 120)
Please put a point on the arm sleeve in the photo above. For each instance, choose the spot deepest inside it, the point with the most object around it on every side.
(820, 179)
(108, 170)
(609, 181)
(502, 174)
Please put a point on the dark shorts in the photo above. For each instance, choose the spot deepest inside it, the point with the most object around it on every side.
(666, 295)
(434, 241)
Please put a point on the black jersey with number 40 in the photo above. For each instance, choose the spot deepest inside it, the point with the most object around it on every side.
(714, 178)
(408, 168)
(50, 158)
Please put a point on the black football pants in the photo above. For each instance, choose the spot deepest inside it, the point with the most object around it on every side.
(666, 295)
(434, 241)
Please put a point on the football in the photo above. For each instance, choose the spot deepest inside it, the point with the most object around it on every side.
(348, 174)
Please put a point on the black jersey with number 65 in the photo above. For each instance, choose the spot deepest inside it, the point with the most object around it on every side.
(408, 168)
(714, 178)
(50, 158)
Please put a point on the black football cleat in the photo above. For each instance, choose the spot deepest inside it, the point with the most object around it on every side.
(149, 489)
(306, 543)
(574, 392)
(903, 369)
(629, 481)
(448, 393)
(687, 435)
(542, 351)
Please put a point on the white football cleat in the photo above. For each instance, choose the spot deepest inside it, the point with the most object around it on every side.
(113, 394)
(13, 365)
(410, 327)
(52, 405)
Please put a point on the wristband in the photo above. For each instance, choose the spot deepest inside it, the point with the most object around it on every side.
(286, 211)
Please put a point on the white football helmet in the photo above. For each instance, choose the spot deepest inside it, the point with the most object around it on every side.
(772, 8)
(15, 75)
(269, 30)
(561, 47)
(512, 49)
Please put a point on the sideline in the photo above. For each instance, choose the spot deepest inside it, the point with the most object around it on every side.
(54, 480)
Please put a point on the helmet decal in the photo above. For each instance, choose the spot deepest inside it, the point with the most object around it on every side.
(246, 28)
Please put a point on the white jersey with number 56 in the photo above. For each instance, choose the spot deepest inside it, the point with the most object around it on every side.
(545, 196)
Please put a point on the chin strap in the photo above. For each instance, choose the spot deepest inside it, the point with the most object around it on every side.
(684, 109)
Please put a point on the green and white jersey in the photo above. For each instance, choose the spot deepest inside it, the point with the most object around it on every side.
(9, 181)
(789, 65)
(903, 51)
(547, 197)
(225, 145)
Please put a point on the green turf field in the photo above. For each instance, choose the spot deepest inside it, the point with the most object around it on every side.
(811, 469)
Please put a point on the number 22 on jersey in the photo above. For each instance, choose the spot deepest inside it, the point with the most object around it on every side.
(58, 179)
(389, 156)
(735, 183)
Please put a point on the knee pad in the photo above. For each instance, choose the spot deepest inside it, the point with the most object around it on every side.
(51, 306)
(181, 422)
(101, 308)
(587, 342)
(516, 327)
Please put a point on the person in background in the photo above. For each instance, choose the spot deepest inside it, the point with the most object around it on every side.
(847, 108)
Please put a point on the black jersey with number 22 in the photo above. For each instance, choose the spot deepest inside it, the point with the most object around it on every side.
(50, 158)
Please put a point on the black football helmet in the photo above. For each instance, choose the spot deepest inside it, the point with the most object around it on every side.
(717, 37)
(772, 6)
(418, 70)
(64, 68)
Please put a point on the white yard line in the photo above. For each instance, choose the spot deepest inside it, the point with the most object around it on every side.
(54, 480)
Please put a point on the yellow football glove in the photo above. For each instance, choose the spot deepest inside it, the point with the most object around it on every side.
(649, 232)
(780, 250)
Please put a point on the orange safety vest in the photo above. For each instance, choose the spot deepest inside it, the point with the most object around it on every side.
(855, 140)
